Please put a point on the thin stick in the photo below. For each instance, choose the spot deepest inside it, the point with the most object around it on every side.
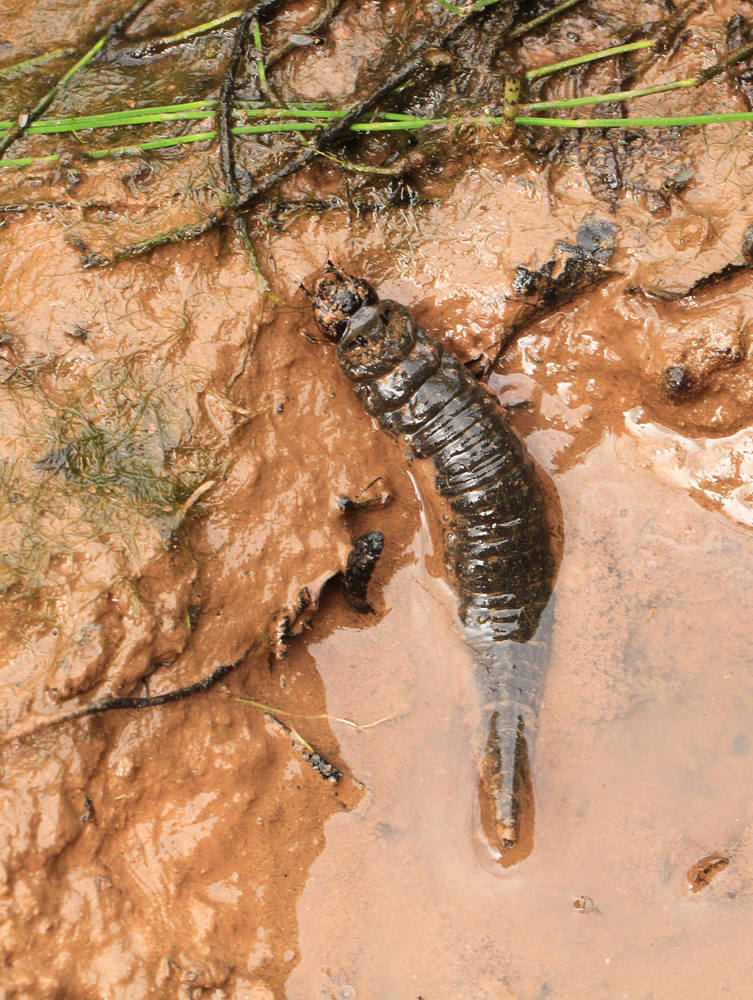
(328, 771)
(225, 107)
(523, 29)
(158, 44)
(113, 704)
(18, 131)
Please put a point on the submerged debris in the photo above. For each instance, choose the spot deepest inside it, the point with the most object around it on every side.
(703, 871)
(584, 904)
(328, 771)
(361, 563)
(368, 498)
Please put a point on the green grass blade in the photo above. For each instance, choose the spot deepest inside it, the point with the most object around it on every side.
(196, 110)
(293, 113)
(177, 140)
(400, 123)
(452, 7)
(621, 95)
(200, 29)
(50, 96)
(260, 50)
(680, 120)
(81, 124)
(275, 127)
(534, 74)
(26, 161)
(35, 61)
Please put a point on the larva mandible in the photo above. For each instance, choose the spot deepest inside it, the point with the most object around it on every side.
(497, 544)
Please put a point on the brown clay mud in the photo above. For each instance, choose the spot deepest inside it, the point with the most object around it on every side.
(184, 473)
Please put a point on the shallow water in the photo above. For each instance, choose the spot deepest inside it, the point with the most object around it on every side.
(642, 769)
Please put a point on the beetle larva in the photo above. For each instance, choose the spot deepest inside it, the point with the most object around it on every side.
(497, 543)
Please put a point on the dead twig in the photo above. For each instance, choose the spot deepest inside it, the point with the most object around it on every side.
(111, 704)
(328, 771)
(225, 108)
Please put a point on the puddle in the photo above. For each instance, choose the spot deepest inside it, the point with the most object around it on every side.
(642, 768)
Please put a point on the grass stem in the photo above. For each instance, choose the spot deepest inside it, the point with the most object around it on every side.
(523, 29)
(451, 6)
(401, 123)
(357, 167)
(674, 122)
(625, 95)
(157, 44)
(169, 113)
(621, 95)
(534, 74)
(34, 61)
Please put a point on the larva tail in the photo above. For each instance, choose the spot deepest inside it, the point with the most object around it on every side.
(509, 677)
(504, 773)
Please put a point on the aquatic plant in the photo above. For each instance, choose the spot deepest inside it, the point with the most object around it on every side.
(109, 454)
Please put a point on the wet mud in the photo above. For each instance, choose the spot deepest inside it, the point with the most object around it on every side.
(185, 473)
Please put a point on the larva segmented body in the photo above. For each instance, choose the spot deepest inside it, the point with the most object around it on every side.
(497, 543)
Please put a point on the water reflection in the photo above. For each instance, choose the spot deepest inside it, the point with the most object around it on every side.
(643, 770)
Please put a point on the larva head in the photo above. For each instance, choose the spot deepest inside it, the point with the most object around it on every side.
(376, 339)
(337, 296)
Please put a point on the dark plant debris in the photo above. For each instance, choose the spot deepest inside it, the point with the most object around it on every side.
(361, 564)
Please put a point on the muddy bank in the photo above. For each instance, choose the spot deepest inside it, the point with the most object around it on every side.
(175, 456)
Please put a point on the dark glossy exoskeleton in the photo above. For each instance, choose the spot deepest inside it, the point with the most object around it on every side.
(497, 541)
